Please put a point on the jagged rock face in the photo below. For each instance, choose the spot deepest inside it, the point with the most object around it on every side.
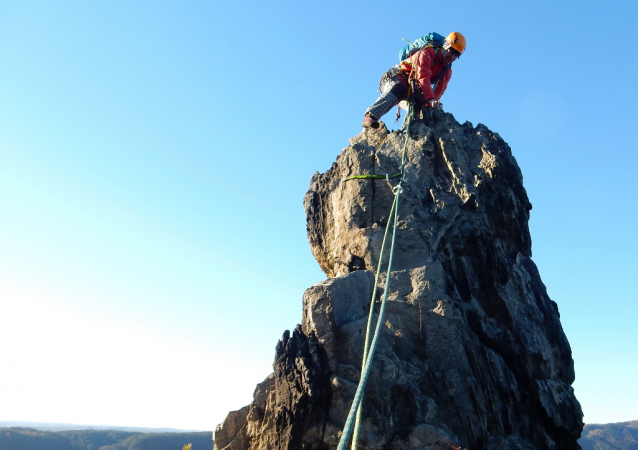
(472, 353)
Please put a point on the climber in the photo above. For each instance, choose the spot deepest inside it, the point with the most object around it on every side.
(425, 70)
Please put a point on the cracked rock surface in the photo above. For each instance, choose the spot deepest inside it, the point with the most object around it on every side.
(472, 353)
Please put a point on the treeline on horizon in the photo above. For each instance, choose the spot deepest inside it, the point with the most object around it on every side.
(17, 438)
(610, 436)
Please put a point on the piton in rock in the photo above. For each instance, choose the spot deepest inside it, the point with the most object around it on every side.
(471, 354)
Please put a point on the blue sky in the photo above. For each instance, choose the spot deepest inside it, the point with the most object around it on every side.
(154, 157)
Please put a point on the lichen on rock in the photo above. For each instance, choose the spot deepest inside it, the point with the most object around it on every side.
(472, 353)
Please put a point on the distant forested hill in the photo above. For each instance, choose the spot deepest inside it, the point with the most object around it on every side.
(611, 436)
(30, 439)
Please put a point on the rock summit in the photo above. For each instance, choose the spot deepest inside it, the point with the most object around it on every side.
(472, 354)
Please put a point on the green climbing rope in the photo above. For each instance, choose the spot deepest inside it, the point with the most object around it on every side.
(369, 349)
(373, 177)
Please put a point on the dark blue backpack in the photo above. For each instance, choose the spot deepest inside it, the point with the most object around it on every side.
(429, 40)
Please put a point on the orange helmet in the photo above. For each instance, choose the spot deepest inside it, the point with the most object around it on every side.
(456, 41)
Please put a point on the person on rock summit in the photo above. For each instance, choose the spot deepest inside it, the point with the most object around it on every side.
(429, 67)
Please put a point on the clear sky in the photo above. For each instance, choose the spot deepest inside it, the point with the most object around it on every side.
(154, 156)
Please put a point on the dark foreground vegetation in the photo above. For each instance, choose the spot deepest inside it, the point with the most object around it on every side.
(30, 439)
(611, 436)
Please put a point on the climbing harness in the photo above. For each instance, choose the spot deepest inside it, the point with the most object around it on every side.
(353, 422)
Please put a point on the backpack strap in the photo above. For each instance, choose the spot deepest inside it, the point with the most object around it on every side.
(440, 75)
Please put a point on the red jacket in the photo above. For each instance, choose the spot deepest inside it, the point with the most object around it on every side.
(425, 73)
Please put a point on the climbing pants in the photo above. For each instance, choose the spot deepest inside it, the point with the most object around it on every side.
(393, 90)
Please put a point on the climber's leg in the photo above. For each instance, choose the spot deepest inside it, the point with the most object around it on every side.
(392, 92)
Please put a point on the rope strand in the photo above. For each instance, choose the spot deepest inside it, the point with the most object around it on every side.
(353, 422)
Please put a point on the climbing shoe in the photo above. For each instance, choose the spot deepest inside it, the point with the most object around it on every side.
(369, 121)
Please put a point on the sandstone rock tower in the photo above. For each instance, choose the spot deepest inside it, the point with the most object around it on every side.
(472, 353)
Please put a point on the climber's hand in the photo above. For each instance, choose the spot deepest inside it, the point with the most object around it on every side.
(434, 103)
